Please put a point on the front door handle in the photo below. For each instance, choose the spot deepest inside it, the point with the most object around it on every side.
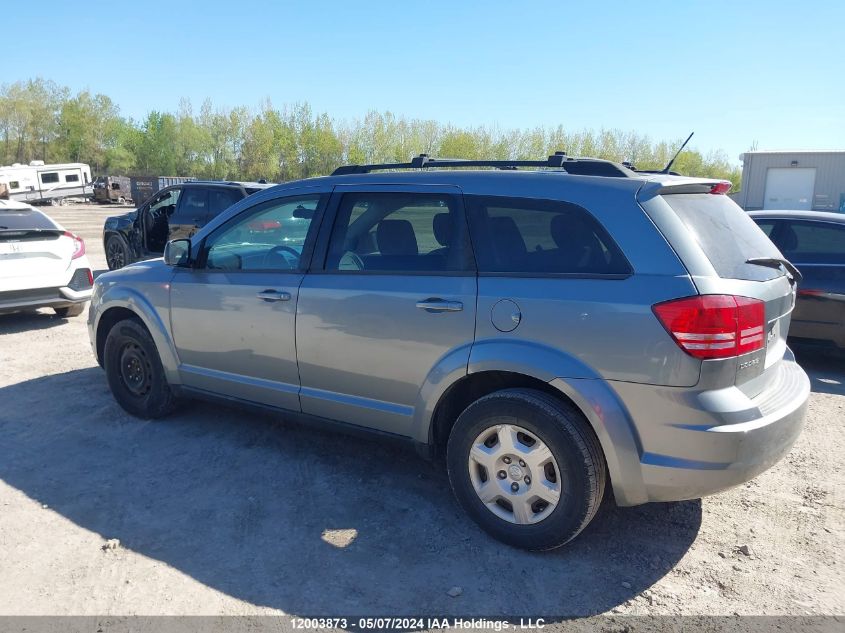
(273, 295)
(440, 305)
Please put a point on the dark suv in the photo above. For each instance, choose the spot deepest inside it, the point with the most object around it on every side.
(172, 213)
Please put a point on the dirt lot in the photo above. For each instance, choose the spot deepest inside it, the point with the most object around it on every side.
(218, 511)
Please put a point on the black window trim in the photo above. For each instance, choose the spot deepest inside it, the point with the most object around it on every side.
(321, 253)
(551, 275)
(305, 258)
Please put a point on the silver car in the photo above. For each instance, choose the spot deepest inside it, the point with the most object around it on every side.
(552, 332)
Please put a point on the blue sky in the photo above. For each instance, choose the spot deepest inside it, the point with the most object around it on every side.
(734, 72)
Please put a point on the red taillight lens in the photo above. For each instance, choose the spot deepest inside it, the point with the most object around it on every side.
(90, 276)
(78, 245)
(714, 326)
(720, 188)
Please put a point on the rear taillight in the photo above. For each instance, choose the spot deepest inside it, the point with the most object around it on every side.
(78, 245)
(720, 188)
(714, 326)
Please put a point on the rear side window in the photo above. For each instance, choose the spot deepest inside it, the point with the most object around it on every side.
(399, 232)
(193, 208)
(221, 199)
(523, 235)
(726, 234)
(812, 242)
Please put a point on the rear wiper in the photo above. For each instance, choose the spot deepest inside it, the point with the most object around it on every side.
(778, 262)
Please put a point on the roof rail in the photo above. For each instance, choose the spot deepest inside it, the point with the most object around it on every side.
(580, 166)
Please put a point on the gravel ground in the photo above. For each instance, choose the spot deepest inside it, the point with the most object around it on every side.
(216, 511)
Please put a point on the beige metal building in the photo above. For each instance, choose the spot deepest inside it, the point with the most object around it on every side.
(793, 180)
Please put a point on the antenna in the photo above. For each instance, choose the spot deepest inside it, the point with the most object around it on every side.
(680, 149)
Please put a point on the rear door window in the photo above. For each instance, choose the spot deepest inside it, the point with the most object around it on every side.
(220, 199)
(193, 207)
(399, 232)
(727, 235)
(523, 235)
(812, 242)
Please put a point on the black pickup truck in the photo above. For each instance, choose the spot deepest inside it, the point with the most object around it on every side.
(174, 212)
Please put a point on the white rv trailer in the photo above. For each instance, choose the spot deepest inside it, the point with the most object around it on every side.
(49, 183)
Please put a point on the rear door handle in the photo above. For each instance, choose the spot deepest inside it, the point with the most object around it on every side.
(440, 305)
(273, 295)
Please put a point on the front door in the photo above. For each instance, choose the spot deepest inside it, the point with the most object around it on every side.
(233, 314)
(154, 219)
(390, 308)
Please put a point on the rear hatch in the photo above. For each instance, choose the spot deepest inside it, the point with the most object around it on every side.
(34, 251)
(746, 264)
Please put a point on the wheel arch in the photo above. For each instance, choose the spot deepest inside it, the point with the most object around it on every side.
(517, 364)
(122, 303)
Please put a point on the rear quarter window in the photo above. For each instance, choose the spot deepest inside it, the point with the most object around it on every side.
(726, 234)
(531, 236)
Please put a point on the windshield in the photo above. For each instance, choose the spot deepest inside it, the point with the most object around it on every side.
(726, 234)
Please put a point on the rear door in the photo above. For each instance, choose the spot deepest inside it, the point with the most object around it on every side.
(728, 238)
(390, 306)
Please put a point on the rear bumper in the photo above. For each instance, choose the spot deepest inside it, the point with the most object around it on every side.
(691, 444)
(61, 297)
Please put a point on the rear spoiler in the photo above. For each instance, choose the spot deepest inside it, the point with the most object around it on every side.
(671, 186)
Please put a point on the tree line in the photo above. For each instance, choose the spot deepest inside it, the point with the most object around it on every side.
(42, 120)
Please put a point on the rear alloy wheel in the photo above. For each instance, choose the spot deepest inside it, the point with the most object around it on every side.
(527, 467)
(70, 311)
(134, 371)
(117, 254)
(121, 200)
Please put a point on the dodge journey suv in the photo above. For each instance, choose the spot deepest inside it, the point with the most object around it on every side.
(551, 328)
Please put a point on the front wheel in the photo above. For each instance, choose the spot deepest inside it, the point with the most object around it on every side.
(117, 254)
(527, 467)
(134, 371)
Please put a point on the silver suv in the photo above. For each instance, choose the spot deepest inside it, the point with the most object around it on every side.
(550, 331)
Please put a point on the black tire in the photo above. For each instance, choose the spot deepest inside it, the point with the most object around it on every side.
(134, 372)
(70, 311)
(571, 441)
(117, 253)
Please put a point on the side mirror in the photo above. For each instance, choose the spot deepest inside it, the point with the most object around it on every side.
(177, 253)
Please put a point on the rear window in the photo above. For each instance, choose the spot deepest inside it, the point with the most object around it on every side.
(726, 234)
(17, 219)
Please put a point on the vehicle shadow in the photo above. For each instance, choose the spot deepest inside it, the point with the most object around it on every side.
(29, 321)
(283, 516)
(824, 366)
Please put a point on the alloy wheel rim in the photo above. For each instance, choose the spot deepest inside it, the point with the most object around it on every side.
(514, 474)
(115, 257)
